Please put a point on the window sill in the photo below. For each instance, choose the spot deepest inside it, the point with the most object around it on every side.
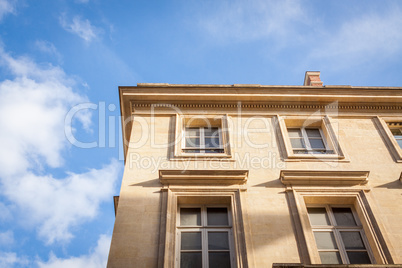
(203, 156)
(315, 157)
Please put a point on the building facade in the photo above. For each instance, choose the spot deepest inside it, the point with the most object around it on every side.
(260, 176)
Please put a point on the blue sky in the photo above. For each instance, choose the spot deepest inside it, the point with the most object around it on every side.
(62, 61)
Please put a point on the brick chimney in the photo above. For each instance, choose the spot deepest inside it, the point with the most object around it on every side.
(312, 79)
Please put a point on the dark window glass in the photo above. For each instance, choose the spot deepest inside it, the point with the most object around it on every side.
(217, 216)
(358, 257)
(218, 241)
(191, 240)
(344, 217)
(191, 260)
(219, 260)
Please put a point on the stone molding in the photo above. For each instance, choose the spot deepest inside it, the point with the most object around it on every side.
(322, 178)
(264, 106)
(390, 142)
(203, 177)
(301, 265)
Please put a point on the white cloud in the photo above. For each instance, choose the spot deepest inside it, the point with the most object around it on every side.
(57, 205)
(96, 258)
(6, 7)
(33, 106)
(363, 39)
(250, 20)
(32, 110)
(10, 259)
(80, 27)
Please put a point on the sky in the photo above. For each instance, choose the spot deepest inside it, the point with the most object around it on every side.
(61, 63)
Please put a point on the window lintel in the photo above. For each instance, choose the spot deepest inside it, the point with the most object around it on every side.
(203, 177)
(323, 177)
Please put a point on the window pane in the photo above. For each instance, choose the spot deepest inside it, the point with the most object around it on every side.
(344, 217)
(219, 260)
(398, 136)
(192, 142)
(313, 132)
(330, 258)
(190, 216)
(211, 132)
(318, 216)
(190, 260)
(218, 241)
(317, 144)
(297, 143)
(325, 240)
(352, 240)
(212, 143)
(193, 132)
(294, 133)
(399, 142)
(191, 240)
(358, 257)
(217, 216)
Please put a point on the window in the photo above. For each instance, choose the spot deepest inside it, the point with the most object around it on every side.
(396, 130)
(202, 136)
(338, 235)
(336, 225)
(203, 140)
(308, 141)
(203, 228)
(391, 132)
(204, 235)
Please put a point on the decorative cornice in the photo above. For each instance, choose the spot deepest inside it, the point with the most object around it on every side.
(324, 177)
(203, 177)
(265, 106)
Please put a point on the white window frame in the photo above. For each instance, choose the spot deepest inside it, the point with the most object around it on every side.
(200, 121)
(328, 134)
(204, 229)
(335, 229)
(173, 198)
(306, 140)
(202, 147)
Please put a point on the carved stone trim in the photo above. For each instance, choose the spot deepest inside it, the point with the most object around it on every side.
(203, 177)
(264, 106)
(388, 138)
(320, 178)
(301, 265)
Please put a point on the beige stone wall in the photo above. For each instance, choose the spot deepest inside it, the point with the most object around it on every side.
(270, 234)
